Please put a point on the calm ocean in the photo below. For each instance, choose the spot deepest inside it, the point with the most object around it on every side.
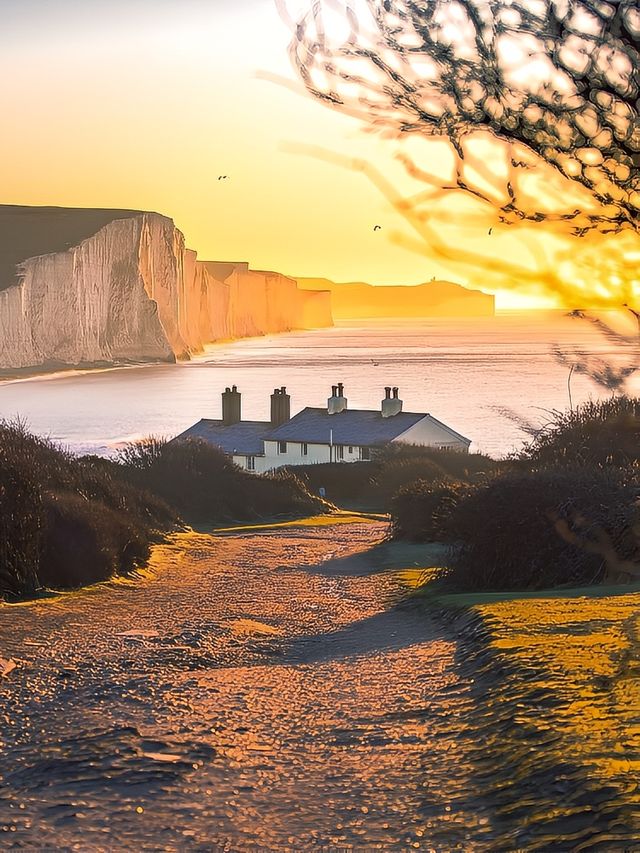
(466, 372)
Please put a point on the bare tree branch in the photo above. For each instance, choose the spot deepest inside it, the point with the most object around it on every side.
(556, 78)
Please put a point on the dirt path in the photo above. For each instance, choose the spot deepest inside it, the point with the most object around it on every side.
(273, 689)
(262, 689)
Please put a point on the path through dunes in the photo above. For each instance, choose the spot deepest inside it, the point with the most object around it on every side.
(266, 688)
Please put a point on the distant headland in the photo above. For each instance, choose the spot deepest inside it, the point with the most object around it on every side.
(359, 300)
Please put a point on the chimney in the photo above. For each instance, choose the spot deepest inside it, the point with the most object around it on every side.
(391, 405)
(337, 402)
(280, 406)
(231, 406)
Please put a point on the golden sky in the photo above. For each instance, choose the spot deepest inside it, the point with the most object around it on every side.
(144, 103)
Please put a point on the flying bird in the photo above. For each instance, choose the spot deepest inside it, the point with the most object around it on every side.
(377, 227)
(223, 177)
(490, 230)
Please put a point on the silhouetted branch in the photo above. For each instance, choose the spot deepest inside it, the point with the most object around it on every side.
(558, 79)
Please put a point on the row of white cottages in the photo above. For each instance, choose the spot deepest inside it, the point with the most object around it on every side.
(332, 434)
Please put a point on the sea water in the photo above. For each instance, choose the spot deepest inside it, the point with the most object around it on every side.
(483, 377)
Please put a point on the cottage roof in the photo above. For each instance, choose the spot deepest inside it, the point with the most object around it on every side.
(353, 426)
(242, 439)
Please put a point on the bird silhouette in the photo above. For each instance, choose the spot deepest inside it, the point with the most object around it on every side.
(223, 177)
(377, 227)
(490, 230)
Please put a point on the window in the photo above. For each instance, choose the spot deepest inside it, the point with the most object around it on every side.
(339, 452)
(305, 449)
(282, 447)
(251, 463)
(365, 454)
(350, 449)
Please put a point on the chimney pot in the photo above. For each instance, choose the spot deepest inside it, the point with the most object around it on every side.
(391, 405)
(280, 406)
(337, 401)
(231, 406)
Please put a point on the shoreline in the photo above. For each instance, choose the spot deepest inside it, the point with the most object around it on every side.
(62, 369)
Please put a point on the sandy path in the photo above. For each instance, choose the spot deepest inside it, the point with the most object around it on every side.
(263, 689)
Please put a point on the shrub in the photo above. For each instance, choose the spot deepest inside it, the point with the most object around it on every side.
(144, 453)
(546, 528)
(283, 492)
(85, 542)
(422, 510)
(21, 524)
(598, 433)
(66, 521)
(102, 480)
(398, 472)
(466, 467)
(563, 511)
(374, 484)
(201, 483)
(343, 482)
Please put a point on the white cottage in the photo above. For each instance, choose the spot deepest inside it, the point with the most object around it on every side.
(332, 434)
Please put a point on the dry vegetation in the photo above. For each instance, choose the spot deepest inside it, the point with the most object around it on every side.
(565, 511)
(373, 485)
(68, 521)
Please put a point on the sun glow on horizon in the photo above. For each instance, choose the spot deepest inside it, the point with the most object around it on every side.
(185, 99)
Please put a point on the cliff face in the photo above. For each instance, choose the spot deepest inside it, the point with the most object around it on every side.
(263, 302)
(357, 300)
(87, 304)
(131, 291)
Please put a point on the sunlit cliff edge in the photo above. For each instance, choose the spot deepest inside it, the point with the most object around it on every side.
(81, 286)
(358, 300)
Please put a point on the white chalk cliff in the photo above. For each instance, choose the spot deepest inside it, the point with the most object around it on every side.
(93, 286)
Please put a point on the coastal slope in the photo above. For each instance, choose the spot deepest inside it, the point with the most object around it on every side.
(359, 300)
(109, 286)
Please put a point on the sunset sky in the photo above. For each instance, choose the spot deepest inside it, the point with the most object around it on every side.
(144, 103)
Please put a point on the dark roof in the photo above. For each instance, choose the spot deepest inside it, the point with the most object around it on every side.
(353, 426)
(349, 427)
(243, 439)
